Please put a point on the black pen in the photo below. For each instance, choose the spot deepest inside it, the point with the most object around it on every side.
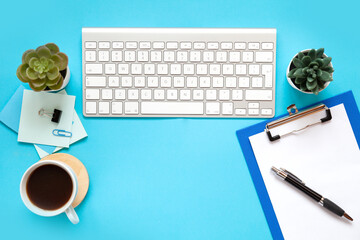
(296, 182)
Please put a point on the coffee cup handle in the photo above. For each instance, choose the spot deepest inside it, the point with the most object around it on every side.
(71, 214)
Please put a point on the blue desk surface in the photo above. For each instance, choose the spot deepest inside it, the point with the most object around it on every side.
(163, 178)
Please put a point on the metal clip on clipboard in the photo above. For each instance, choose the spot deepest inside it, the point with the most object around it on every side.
(294, 114)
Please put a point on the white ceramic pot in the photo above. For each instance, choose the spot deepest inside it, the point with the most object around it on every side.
(65, 83)
(66, 208)
(291, 82)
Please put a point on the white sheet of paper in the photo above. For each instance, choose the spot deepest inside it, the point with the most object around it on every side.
(38, 129)
(327, 158)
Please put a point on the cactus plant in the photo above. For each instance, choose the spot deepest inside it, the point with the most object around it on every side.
(41, 68)
(310, 71)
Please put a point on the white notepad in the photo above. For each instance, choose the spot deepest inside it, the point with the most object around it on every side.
(38, 129)
(327, 158)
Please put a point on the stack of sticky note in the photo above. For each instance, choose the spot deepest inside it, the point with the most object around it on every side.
(21, 114)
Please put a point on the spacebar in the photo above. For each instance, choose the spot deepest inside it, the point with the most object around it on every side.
(172, 108)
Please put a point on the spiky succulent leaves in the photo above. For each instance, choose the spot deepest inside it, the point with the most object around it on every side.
(311, 70)
(41, 67)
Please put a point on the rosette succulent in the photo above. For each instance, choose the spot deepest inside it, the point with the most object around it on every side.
(41, 68)
(310, 71)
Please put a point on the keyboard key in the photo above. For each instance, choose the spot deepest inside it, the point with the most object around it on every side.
(263, 57)
(110, 68)
(201, 69)
(260, 95)
(266, 111)
(104, 56)
(171, 45)
(95, 81)
(248, 56)
(106, 94)
(123, 69)
(256, 82)
(185, 45)
(199, 45)
(169, 108)
(169, 56)
(210, 94)
(145, 45)
(104, 107)
(133, 94)
(224, 94)
(175, 69)
(253, 105)
(90, 107)
(146, 94)
(149, 69)
(131, 45)
(156, 56)
(172, 94)
(116, 108)
(204, 82)
(226, 45)
(198, 94)
(213, 45)
(215, 69)
(240, 111)
(221, 56)
(191, 82)
(126, 81)
(228, 69)
(131, 108)
(104, 45)
(158, 45)
(93, 68)
(195, 56)
(254, 69)
(179, 82)
(139, 81)
(159, 94)
(266, 70)
(227, 108)
(92, 94)
(189, 69)
(267, 46)
(253, 111)
(218, 82)
(90, 45)
(136, 69)
(230, 82)
(208, 56)
(244, 82)
(165, 82)
(234, 57)
(184, 94)
(118, 45)
(152, 82)
(116, 56)
(240, 45)
(213, 108)
(254, 45)
(113, 81)
(182, 56)
(143, 56)
(90, 56)
(120, 94)
(129, 56)
(162, 69)
(240, 69)
(237, 95)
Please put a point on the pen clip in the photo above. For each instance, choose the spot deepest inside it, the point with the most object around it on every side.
(292, 175)
(61, 133)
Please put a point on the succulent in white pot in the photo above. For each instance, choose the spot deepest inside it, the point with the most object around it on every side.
(45, 68)
(310, 71)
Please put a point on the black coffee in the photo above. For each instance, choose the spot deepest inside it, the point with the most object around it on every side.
(49, 187)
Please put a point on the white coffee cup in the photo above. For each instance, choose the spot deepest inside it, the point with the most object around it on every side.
(67, 208)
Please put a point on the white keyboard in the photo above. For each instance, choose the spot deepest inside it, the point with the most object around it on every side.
(178, 72)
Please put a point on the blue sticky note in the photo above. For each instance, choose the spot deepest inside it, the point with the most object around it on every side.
(10, 115)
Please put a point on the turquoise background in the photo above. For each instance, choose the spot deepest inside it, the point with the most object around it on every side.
(163, 178)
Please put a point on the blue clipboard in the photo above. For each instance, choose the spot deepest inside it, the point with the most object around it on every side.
(243, 135)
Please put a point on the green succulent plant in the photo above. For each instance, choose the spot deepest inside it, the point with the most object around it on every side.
(41, 67)
(311, 71)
